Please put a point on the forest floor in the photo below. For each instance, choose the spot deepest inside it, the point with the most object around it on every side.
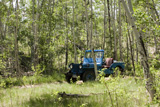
(110, 92)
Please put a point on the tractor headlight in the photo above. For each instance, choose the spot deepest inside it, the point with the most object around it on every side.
(71, 66)
(80, 66)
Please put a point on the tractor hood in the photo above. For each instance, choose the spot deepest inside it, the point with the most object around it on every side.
(88, 57)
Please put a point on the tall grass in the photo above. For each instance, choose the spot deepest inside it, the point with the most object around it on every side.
(124, 93)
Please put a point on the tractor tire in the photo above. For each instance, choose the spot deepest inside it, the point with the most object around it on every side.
(68, 77)
(74, 80)
(88, 76)
(119, 69)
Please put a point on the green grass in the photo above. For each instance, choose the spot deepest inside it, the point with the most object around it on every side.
(36, 79)
(125, 92)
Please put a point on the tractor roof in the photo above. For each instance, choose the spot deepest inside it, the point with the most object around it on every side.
(101, 50)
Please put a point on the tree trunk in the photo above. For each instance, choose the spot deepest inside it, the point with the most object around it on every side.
(131, 50)
(1, 32)
(109, 20)
(132, 43)
(142, 51)
(127, 52)
(96, 36)
(105, 27)
(16, 41)
(114, 33)
(66, 39)
(91, 35)
(91, 44)
(75, 57)
(136, 53)
(87, 24)
(130, 7)
(120, 24)
(33, 32)
(95, 64)
(36, 38)
(131, 35)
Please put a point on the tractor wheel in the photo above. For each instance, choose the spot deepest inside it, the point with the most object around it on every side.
(88, 76)
(121, 70)
(68, 77)
(74, 80)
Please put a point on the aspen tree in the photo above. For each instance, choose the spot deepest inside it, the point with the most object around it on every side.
(143, 54)
(120, 32)
(109, 25)
(105, 27)
(66, 37)
(114, 32)
(75, 56)
(16, 41)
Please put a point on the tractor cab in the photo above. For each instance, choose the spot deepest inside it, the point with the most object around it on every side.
(88, 60)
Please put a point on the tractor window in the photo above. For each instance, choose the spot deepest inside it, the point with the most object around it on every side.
(88, 55)
(97, 55)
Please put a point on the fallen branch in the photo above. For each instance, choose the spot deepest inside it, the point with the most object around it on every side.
(63, 94)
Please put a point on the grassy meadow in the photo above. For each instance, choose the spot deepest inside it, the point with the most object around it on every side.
(110, 92)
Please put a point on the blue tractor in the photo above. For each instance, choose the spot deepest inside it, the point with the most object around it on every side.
(85, 70)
